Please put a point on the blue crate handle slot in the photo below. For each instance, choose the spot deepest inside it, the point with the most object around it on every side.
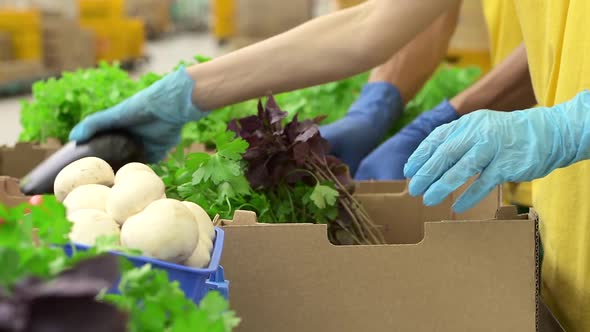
(218, 283)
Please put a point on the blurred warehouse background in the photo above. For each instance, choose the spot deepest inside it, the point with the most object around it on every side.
(43, 38)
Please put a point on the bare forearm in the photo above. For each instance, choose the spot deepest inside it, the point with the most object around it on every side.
(507, 87)
(325, 49)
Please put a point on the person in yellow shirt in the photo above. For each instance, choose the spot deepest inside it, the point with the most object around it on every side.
(500, 146)
(549, 144)
(506, 87)
(505, 36)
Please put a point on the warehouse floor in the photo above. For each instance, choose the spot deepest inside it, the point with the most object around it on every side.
(164, 54)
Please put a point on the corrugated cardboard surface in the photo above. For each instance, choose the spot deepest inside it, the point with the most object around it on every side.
(10, 194)
(16, 70)
(266, 18)
(440, 276)
(18, 160)
(377, 196)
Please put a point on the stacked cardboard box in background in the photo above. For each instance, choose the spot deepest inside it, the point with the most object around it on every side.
(261, 19)
(67, 46)
(154, 13)
(5, 46)
(65, 8)
(20, 70)
(24, 27)
(21, 57)
(118, 37)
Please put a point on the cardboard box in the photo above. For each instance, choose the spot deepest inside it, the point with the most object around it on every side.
(20, 70)
(24, 27)
(67, 46)
(64, 8)
(266, 18)
(154, 13)
(440, 272)
(19, 160)
(10, 194)
(5, 47)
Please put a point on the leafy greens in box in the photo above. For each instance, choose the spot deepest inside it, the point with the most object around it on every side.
(59, 104)
(279, 169)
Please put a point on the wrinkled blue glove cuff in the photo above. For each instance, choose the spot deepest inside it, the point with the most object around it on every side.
(388, 160)
(381, 103)
(365, 125)
(176, 86)
(443, 113)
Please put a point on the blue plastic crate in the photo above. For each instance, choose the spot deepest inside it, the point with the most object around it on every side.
(195, 283)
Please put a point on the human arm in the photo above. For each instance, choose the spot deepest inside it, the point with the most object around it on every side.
(325, 49)
(506, 87)
(501, 147)
(390, 86)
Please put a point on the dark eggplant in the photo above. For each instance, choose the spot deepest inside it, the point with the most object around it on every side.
(117, 148)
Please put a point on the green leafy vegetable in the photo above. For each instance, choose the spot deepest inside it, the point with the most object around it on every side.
(163, 306)
(213, 180)
(323, 196)
(59, 104)
(31, 249)
(280, 157)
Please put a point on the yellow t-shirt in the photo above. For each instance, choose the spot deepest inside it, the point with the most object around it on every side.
(503, 28)
(557, 37)
(505, 35)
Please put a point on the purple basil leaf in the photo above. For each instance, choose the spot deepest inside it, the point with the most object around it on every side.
(307, 134)
(301, 154)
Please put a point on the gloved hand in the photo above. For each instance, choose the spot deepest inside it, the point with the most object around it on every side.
(388, 160)
(155, 115)
(500, 147)
(365, 125)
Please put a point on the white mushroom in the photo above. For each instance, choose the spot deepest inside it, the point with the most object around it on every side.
(89, 170)
(131, 168)
(199, 259)
(88, 196)
(206, 226)
(132, 194)
(90, 224)
(206, 243)
(165, 229)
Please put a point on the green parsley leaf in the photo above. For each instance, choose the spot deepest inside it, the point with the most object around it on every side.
(324, 196)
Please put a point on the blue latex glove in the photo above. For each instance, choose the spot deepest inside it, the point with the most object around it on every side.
(155, 115)
(365, 125)
(500, 147)
(388, 160)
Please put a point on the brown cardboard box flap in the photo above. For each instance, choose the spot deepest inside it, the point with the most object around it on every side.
(16, 161)
(484, 209)
(463, 276)
(10, 194)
